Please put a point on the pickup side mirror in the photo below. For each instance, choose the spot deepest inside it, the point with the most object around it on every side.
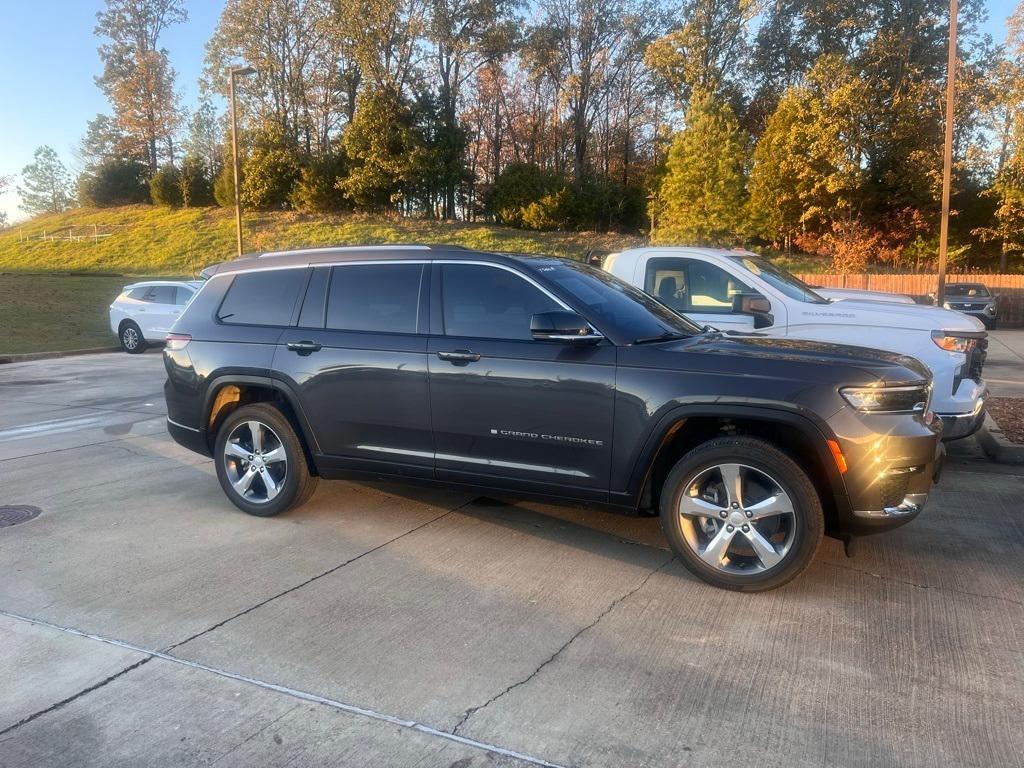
(756, 305)
(563, 326)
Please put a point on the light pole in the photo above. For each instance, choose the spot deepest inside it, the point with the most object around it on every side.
(947, 155)
(232, 74)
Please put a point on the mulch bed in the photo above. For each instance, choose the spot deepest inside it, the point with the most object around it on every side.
(1008, 413)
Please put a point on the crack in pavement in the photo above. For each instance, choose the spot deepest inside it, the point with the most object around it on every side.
(314, 698)
(85, 691)
(908, 583)
(328, 572)
(473, 710)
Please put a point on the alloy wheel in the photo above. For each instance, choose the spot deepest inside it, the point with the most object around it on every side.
(256, 462)
(737, 519)
(130, 337)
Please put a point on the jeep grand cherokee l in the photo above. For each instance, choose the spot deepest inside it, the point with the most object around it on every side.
(540, 376)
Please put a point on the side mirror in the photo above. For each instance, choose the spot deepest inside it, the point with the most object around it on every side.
(563, 326)
(756, 305)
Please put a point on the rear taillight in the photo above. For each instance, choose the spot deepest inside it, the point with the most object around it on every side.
(177, 341)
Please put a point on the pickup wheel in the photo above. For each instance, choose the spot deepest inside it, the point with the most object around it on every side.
(741, 514)
(260, 462)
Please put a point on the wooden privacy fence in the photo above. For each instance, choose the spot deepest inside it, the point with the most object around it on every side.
(1010, 288)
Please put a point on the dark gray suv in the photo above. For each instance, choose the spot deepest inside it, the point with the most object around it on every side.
(541, 376)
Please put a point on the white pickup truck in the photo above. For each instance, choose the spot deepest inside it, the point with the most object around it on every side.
(736, 290)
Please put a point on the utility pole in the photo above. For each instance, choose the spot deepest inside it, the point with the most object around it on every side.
(947, 155)
(232, 74)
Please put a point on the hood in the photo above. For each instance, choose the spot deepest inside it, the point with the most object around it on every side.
(863, 295)
(759, 355)
(886, 315)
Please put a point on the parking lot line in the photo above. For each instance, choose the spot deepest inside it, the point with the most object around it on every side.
(293, 692)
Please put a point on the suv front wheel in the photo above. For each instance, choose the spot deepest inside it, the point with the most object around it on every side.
(260, 462)
(741, 514)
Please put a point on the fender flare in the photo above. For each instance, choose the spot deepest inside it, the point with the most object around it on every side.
(812, 427)
(284, 388)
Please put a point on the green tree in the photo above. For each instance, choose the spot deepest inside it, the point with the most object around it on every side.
(270, 168)
(113, 182)
(137, 75)
(194, 183)
(702, 199)
(46, 184)
(385, 152)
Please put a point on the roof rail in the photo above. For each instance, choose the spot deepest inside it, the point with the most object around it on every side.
(331, 248)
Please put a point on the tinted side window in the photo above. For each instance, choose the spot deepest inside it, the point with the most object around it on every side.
(139, 294)
(489, 302)
(312, 313)
(262, 298)
(161, 294)
(381, 298)
(182, 295)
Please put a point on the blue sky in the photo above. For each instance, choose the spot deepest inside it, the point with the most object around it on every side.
(48, 59)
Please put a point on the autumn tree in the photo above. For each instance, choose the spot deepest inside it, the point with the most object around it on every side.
(702, 199)
(137, 75)
(465, 35)
(704, 52)
(306, 76)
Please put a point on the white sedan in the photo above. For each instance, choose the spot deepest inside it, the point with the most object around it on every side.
(144, 312)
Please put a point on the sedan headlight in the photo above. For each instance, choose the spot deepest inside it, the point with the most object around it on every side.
(951, 342)
(910, 399)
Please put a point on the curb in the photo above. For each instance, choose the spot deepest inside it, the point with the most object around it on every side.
(22, 358)
(996, 447)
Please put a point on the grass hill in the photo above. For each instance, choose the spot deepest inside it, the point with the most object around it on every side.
(147, 240)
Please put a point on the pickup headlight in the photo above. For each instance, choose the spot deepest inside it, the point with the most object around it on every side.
(951, 342)
(911, 399)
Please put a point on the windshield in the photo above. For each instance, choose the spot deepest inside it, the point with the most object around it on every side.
(967, 290)
(612, 302)
(780, 279)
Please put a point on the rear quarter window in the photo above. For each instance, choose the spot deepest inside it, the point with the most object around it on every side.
(262, 298)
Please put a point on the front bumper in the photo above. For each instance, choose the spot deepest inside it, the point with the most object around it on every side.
(956, 426)
(895, 511)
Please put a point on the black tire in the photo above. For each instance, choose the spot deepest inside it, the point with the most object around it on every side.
(805, 526)
(298, 482)
(992, 324)
(131, 338)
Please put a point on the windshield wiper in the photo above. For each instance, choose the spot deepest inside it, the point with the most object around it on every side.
(666, 336)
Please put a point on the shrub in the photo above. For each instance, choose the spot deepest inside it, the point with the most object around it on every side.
(317, 189)
(517, 187)
(224, 187)
(164, 187)
(194, 184)
(271, 169)
(112, 183)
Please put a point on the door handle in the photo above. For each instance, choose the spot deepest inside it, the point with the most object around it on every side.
(459, 356)
(304, 347)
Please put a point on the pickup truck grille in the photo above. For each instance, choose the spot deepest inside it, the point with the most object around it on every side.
(976, 360)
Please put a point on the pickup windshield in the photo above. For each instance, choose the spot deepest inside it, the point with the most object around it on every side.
(613, 302)
(779, 278)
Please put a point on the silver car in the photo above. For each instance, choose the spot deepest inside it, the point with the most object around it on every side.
(973, 299)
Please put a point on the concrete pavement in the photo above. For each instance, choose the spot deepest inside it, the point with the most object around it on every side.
(1004, 367)
(146, 621)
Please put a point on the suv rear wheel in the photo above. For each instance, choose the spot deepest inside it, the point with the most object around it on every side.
(260, 462)
(741, 514)
(131, 338)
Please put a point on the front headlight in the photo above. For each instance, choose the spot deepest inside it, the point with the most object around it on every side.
(911, 399)
(951, 342)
